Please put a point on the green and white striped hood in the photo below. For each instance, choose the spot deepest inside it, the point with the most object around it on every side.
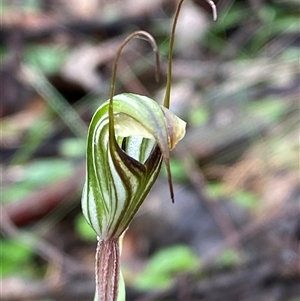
(127, 141)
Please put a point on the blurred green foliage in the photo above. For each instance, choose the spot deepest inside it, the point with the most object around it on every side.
(228, 258)
(272, 20)
(243, 198)
(35, 175)
(29, 6)
(178, 171)
(163, 266)
(73, 148)
(199, 116)
(267, 108)
(15, 258)
(47, 58)
(215, 189)
(83, 229)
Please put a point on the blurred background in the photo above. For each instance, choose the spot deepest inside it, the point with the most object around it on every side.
(234, 230)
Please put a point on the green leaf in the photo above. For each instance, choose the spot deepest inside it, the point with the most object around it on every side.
(245, 199)
(13, 255)
(44, 171)
(37, 174)
(161, 268)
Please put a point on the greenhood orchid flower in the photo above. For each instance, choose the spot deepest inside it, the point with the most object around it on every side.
(125, 152)
(129, 137)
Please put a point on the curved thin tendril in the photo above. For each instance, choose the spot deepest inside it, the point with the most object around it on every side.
(153, 43)
(171, 47)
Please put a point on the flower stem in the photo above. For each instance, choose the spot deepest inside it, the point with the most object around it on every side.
(171, 47)
(107, 270)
